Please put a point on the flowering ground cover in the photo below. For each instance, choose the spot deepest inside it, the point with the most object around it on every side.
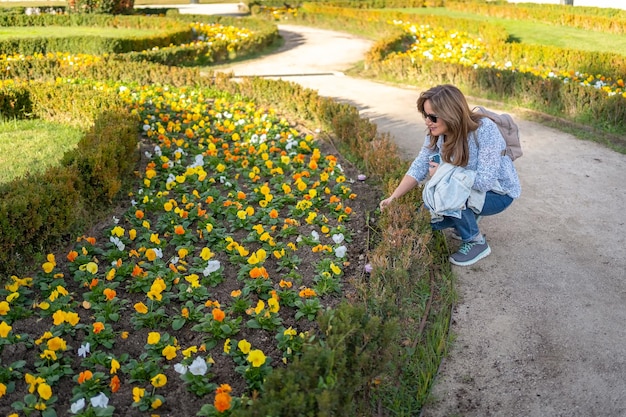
(240, 230)
(460, 48)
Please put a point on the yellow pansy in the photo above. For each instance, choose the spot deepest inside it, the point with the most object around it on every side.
(244, 346)
(153, 338)
(256, 358)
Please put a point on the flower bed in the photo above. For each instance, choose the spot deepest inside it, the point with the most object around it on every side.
(234, 242)
(457, 47)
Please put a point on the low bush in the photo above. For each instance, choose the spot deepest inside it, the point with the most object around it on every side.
(40, 210)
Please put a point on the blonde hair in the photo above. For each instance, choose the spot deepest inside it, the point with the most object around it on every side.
(450, 106)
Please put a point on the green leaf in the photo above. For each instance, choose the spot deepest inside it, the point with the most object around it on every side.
(49, 412)
(18, 405)
(253, 324)
(114, 317)
(178, 324)
(104, 412)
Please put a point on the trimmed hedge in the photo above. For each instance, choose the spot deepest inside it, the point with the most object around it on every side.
(39, 211)
(168, 32)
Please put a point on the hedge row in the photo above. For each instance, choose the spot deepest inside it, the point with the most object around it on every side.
(163, 32)
(357, 4)
(587, 18)
(130, 66)
(41, 210)
(378, 21)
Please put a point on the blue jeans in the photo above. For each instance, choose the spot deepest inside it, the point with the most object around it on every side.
(466, 226)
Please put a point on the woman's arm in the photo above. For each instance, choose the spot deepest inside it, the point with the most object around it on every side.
(406, 185)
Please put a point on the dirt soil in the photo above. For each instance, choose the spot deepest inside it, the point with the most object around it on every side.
(538, 329)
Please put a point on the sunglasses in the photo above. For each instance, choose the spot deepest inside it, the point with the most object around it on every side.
(430, 117)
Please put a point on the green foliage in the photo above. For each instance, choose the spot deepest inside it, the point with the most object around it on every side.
(101, 6)
(168, 32)
(36, 211)
(15, 102)
(331, 379)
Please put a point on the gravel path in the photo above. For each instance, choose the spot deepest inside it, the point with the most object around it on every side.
(539, 329)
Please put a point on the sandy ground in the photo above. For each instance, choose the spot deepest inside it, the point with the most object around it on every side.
(539, 329)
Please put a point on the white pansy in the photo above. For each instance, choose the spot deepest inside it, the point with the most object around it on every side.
(338, 238)
(315, 235)
(198, 366)
(212, 266)
(77, 406)
(180, 368)
(100, 400)
(117, 242)
(340, 252)
(198, 161)
(83, 350)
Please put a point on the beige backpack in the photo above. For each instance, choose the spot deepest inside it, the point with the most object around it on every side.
(508, 129)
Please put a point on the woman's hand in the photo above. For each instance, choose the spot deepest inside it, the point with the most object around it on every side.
(432, 168)
(385, 203)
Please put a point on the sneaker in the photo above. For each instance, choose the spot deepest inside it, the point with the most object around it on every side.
(470, 252)
(457, 237)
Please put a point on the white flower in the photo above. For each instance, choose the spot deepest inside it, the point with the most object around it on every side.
(117, 242)
(180, 368)
(340, 252)
(116, 220)
(198, 161)
(100, 400)
(338, 238)
(212, 266)
(198, 366)
(316, 236)
(77, 406)
(83, 350)
(158, 252)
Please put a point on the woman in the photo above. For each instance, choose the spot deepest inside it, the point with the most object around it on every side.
(473, 142)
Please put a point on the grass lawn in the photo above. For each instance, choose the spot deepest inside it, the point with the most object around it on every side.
(535, 33)
(32, 146)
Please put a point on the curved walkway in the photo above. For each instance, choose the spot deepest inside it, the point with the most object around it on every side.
(539, 329)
